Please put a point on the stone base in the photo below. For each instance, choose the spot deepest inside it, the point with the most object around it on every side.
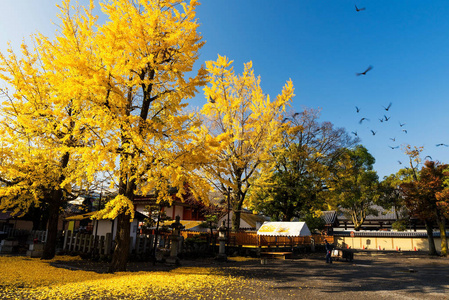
(221, 257)
(7, 246)
(173, 261)
(7, 249)
(36, 250)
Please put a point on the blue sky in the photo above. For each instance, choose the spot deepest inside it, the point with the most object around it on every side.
(320, 45)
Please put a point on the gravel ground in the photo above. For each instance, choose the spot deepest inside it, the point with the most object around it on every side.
(372, 275)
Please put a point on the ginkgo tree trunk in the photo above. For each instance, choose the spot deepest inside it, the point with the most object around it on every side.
(132, 73)
(239, 109)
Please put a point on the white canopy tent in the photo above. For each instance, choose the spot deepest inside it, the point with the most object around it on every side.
(284, 229)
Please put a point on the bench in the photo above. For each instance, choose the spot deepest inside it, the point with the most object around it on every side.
(264, 256)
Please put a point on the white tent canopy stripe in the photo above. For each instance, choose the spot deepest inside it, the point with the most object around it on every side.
(284, 229)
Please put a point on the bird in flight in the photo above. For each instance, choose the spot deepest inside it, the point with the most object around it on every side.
(388, 107)
(373, 132)
(428, 156)
(438, 145)
(400, 162)
(394, 147)
(354, 133)
(404, 130)
(393, 139)
(211, 100)
(359, 9)
(363, 119)
(401, 124)
(386, 119)
(364, 72)
(357, 109)
(381, 120)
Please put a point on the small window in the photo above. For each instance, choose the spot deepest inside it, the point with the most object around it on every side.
(368, 242)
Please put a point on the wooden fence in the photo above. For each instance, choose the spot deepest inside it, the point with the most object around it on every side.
(104, 245)
(252, 239)
(28, 235)
(144, 244)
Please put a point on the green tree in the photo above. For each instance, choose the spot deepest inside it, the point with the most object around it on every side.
(355, 187)
(303, 162)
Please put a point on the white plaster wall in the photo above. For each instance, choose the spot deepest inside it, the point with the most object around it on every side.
(104, 226)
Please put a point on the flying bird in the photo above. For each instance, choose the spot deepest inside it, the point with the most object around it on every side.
(359, 9)
(394, 147)
(401, 124)
(393, 139)
(428, 156)
(399, 162)
(363, 119)
(358, 109)
(381, 120)
(211, 100)
(354, 132)
(404, 130)
(373, 132)
(438, 145)
(364, 73)
(386, 118)
(388, 107)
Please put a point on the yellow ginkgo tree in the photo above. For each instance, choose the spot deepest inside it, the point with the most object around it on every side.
(116, 91)
(131, 71)
(252, 124)
(39, 125)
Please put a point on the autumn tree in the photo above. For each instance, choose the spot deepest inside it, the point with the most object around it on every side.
(421, 199)
(131, 70)
(238, 109)
(355, 186)
(303, 162)
(39, 126)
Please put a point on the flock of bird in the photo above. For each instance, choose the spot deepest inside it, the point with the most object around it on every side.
(385, 118)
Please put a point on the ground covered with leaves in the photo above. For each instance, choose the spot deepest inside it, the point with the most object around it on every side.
(370, 276)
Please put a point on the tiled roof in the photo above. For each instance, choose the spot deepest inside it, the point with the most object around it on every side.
(382, 215)
(329, 216)
(252, 219)
(137, 215)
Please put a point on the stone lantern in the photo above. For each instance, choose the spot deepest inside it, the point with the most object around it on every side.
(174, 238)
(222, 241)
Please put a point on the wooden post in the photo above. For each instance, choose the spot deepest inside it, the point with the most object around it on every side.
(75, 243)
(101, 245)
(145, 244)
(86, 236)
(137, 244)
(66, 237)
(107, 247)
(130, 244)
(89, 243)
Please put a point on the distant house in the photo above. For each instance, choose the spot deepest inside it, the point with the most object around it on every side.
(8, 222)
(187, 208)
(248, 220)
(104, 226)
(382, 221)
